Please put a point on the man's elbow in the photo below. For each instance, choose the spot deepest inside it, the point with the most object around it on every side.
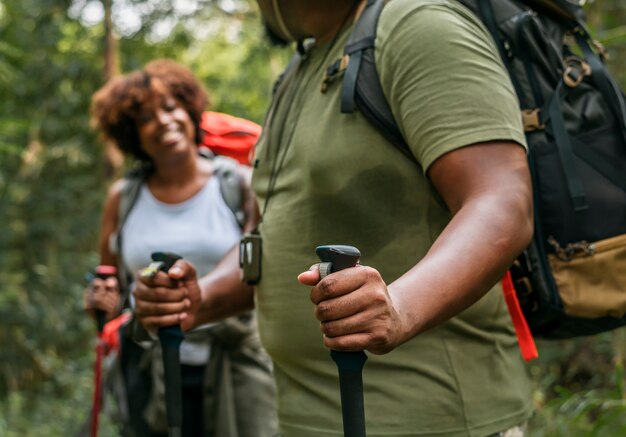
(524, 220)
(526, 231)
(516, 224)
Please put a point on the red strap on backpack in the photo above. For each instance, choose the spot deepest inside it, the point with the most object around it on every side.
(111, 334)
(524, 336)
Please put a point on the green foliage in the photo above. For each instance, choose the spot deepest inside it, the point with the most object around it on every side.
(52, 184)
(226, 50)
(579, 387)
(239, 73)
(607, 20)
(48, 162)
(587, 413)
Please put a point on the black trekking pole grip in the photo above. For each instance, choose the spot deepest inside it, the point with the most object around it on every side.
(349, 364)
(170, 338)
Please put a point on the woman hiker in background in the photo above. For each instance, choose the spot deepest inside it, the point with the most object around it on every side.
(154, 116)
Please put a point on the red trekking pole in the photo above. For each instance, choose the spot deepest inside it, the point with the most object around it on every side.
(102, 272)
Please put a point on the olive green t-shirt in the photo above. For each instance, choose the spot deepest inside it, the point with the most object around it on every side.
(333, 179)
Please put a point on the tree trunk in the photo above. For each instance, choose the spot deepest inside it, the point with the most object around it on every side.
(113, 158)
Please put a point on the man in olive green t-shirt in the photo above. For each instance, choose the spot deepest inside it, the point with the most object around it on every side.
(435, 237)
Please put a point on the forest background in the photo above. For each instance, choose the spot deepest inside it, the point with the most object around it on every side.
(54, 173)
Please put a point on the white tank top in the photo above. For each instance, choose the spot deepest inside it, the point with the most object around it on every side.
(201, 229)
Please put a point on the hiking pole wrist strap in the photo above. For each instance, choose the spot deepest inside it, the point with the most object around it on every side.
(349, 364)
(170, 338)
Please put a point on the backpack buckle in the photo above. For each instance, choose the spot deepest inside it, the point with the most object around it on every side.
(334, 70)
(568, 252)
(602, 51)
(531, 120)
(575, 71)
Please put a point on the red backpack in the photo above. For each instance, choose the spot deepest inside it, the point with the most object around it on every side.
(229, 136)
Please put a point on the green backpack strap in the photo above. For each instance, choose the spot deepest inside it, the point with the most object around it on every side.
(231, 185)
(128, 197)
(361, 87)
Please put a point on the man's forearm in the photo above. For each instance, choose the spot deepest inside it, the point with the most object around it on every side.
(466, 260)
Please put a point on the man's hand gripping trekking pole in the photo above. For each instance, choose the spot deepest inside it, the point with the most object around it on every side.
(357, 313)
(170, 338)
(349, 364)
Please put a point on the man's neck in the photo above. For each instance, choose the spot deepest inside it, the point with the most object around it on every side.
(323, 19)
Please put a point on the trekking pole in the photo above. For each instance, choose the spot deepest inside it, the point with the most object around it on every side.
(102, 272)
(349, 364)
(170, 338)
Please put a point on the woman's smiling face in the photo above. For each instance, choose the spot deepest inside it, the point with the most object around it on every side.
(163, 124)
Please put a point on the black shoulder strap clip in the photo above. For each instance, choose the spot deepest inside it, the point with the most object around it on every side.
(361, 86)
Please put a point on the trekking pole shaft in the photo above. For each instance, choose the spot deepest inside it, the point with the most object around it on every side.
(97, 392)
(100, 320)
(350, 367)
(170, 338)
(349, 364)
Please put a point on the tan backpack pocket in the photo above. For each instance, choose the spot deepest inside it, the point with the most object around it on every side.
(591, 277)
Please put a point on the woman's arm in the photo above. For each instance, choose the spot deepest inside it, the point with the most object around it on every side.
(109, 223)
(104, 294)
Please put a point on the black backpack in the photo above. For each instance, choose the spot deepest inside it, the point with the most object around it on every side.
(571, 280)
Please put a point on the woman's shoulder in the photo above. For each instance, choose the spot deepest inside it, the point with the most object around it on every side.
(205, 166)
(115, 190)
(114, 195)
(220, 165)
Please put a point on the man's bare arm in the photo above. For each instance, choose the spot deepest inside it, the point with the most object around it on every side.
(487, 189)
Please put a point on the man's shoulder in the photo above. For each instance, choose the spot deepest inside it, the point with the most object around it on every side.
(401, 8)
(429, 15)
(430, 29)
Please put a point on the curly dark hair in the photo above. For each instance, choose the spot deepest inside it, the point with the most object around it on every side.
(116, 106)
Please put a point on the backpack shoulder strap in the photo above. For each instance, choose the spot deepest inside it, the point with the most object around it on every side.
(565, 11)
(361, 86)
(128, 197)
(226, 170)
(130, 192)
